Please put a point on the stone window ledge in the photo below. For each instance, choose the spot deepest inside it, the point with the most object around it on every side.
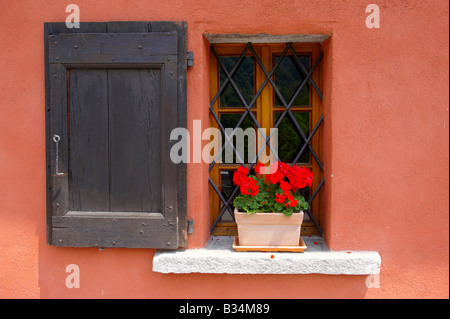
(219, 257)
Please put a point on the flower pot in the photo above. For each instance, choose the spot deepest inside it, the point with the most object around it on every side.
(268, 229)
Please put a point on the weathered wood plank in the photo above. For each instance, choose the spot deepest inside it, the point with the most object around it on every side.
(170, 178)
(127, 26)
(57, 112)
(89, 165)
(53, 28)
(181, 28)
(113, 47)
(135, 139)
(113, 231)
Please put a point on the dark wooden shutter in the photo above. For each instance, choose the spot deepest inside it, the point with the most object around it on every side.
(114, 92)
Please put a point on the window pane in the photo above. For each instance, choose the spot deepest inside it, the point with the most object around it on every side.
(226, 183)
(288, 77)
(289, 139)
(244, 142)
(244, 79)
(226, 188)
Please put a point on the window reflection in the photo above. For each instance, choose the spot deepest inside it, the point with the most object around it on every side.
(244, 79)
(288, 77)
(230, 120)
(290, 141)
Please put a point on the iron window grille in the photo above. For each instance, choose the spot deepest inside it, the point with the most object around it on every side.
(227, 201)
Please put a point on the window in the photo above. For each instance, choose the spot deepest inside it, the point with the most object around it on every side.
(242, 95)
(114, 92)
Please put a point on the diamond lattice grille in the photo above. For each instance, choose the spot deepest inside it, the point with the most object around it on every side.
(305, 145)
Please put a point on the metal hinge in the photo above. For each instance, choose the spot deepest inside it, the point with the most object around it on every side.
(190, 59)
(190, 226)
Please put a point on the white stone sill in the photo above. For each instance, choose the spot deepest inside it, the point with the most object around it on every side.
(219, 257)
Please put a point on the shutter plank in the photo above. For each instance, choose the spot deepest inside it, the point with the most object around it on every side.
(181, 28)
(127, 26)
(57, 116)
(135, 139)
(115, 230)
(114, 47)
(89, 167)
(170, 178)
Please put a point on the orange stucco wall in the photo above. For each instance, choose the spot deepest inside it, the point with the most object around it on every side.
(386, 147)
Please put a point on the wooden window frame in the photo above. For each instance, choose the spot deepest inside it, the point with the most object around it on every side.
(265, 110)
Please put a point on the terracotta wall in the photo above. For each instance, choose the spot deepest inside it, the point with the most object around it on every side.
(386, 149)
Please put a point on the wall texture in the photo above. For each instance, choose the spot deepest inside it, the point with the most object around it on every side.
(386, 146)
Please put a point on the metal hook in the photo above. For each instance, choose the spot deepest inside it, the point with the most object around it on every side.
(56, 139)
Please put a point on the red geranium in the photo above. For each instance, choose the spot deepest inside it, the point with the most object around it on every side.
(260, 169)
(247, 184)
(293, 203)
(280, 198)
(285, 186)
(240, 175)
(275, 191)
(299, 177)
(278, 171)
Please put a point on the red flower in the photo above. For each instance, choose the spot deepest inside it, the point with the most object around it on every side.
(254, 187)
(285, 168)
(290, 197)
(287, 181)
(247, 185)
(280, 198)
(285, 186)
(240, 175)
(299, 177)
(278, 171)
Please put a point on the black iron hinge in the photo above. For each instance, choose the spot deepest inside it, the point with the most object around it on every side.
(190, 59)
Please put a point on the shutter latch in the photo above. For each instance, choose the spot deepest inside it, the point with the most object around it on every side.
(190, 59)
